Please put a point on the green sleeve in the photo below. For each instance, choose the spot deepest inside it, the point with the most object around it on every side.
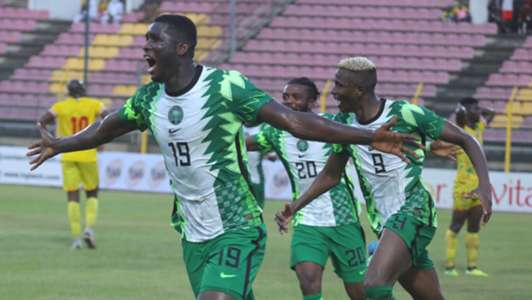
(341, 148)
(136, 108)
(423, 119)
(246, 98)
(264, 138)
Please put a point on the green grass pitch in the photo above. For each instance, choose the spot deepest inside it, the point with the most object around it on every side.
(139, 255)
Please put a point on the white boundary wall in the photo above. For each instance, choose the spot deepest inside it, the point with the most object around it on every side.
(146, 173)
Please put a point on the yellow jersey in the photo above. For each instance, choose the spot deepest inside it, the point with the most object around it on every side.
(73, 115)
(466, 177)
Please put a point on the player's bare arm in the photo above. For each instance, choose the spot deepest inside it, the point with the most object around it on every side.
(451, 133)
(326, 179)
(443, 149)
(487, 113)
(105, 113)
(98, 133)
(309, 126)
(47, 118)
(251, 144)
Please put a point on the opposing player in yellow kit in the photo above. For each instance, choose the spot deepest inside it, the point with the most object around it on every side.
(72, 115)
(473, 119)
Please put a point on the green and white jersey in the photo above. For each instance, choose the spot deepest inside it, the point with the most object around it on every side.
(255, 158)
(388, 184)
(256, 172)
(200, 135)
(303, 161)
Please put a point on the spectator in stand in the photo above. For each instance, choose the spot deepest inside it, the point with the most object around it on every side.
(524, 19)
(459, 12)
(507, 15)
(151, 10)
(90, 7)
(114, 12)
(462, 13)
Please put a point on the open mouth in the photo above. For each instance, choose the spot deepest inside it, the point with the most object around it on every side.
(152, 63)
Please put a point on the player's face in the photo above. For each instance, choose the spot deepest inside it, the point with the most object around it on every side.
(297, 97)
(473, 112)
(345, 92)
(160, 52)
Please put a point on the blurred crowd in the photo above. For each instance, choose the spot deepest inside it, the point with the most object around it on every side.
(458, 12)
(103, 11)
(511, 16)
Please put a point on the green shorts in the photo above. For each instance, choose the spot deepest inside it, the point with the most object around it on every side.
(345, 244)
(228, 263)
(416, 236)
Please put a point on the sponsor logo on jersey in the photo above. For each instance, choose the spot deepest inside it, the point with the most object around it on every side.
(173, 131)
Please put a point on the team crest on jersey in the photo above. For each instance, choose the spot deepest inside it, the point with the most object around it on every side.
(175, 114)
(302, 145)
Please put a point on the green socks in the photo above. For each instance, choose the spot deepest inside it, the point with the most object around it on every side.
(313, 297)
(379, 292)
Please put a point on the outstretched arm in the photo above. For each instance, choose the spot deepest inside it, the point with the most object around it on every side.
(309, 126)
(100, 132)
(328, 178)
(451, 133)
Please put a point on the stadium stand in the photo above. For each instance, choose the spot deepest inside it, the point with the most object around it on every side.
(497, 90)
(116, 64)
(407, 40)
(278, 40)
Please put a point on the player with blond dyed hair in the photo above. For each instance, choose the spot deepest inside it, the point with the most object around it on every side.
(401, 211)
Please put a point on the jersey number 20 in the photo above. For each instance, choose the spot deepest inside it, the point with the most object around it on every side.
(306, 169)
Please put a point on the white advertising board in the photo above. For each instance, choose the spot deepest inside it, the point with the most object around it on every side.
(146, 173)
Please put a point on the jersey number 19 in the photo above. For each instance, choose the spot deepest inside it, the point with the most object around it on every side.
(181, 153)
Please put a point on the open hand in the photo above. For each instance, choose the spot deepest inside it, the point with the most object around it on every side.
(42, 150)
(485, 201)
(395, 143)
(443, 149)
(282, 218)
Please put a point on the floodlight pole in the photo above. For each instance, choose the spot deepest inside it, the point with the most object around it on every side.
(86, 46)
(232, 28)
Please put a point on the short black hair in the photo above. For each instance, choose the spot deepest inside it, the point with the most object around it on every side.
(314, 92)
(184, 28)
(468, 101)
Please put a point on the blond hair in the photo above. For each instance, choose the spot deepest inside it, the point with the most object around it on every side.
(357, 63)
